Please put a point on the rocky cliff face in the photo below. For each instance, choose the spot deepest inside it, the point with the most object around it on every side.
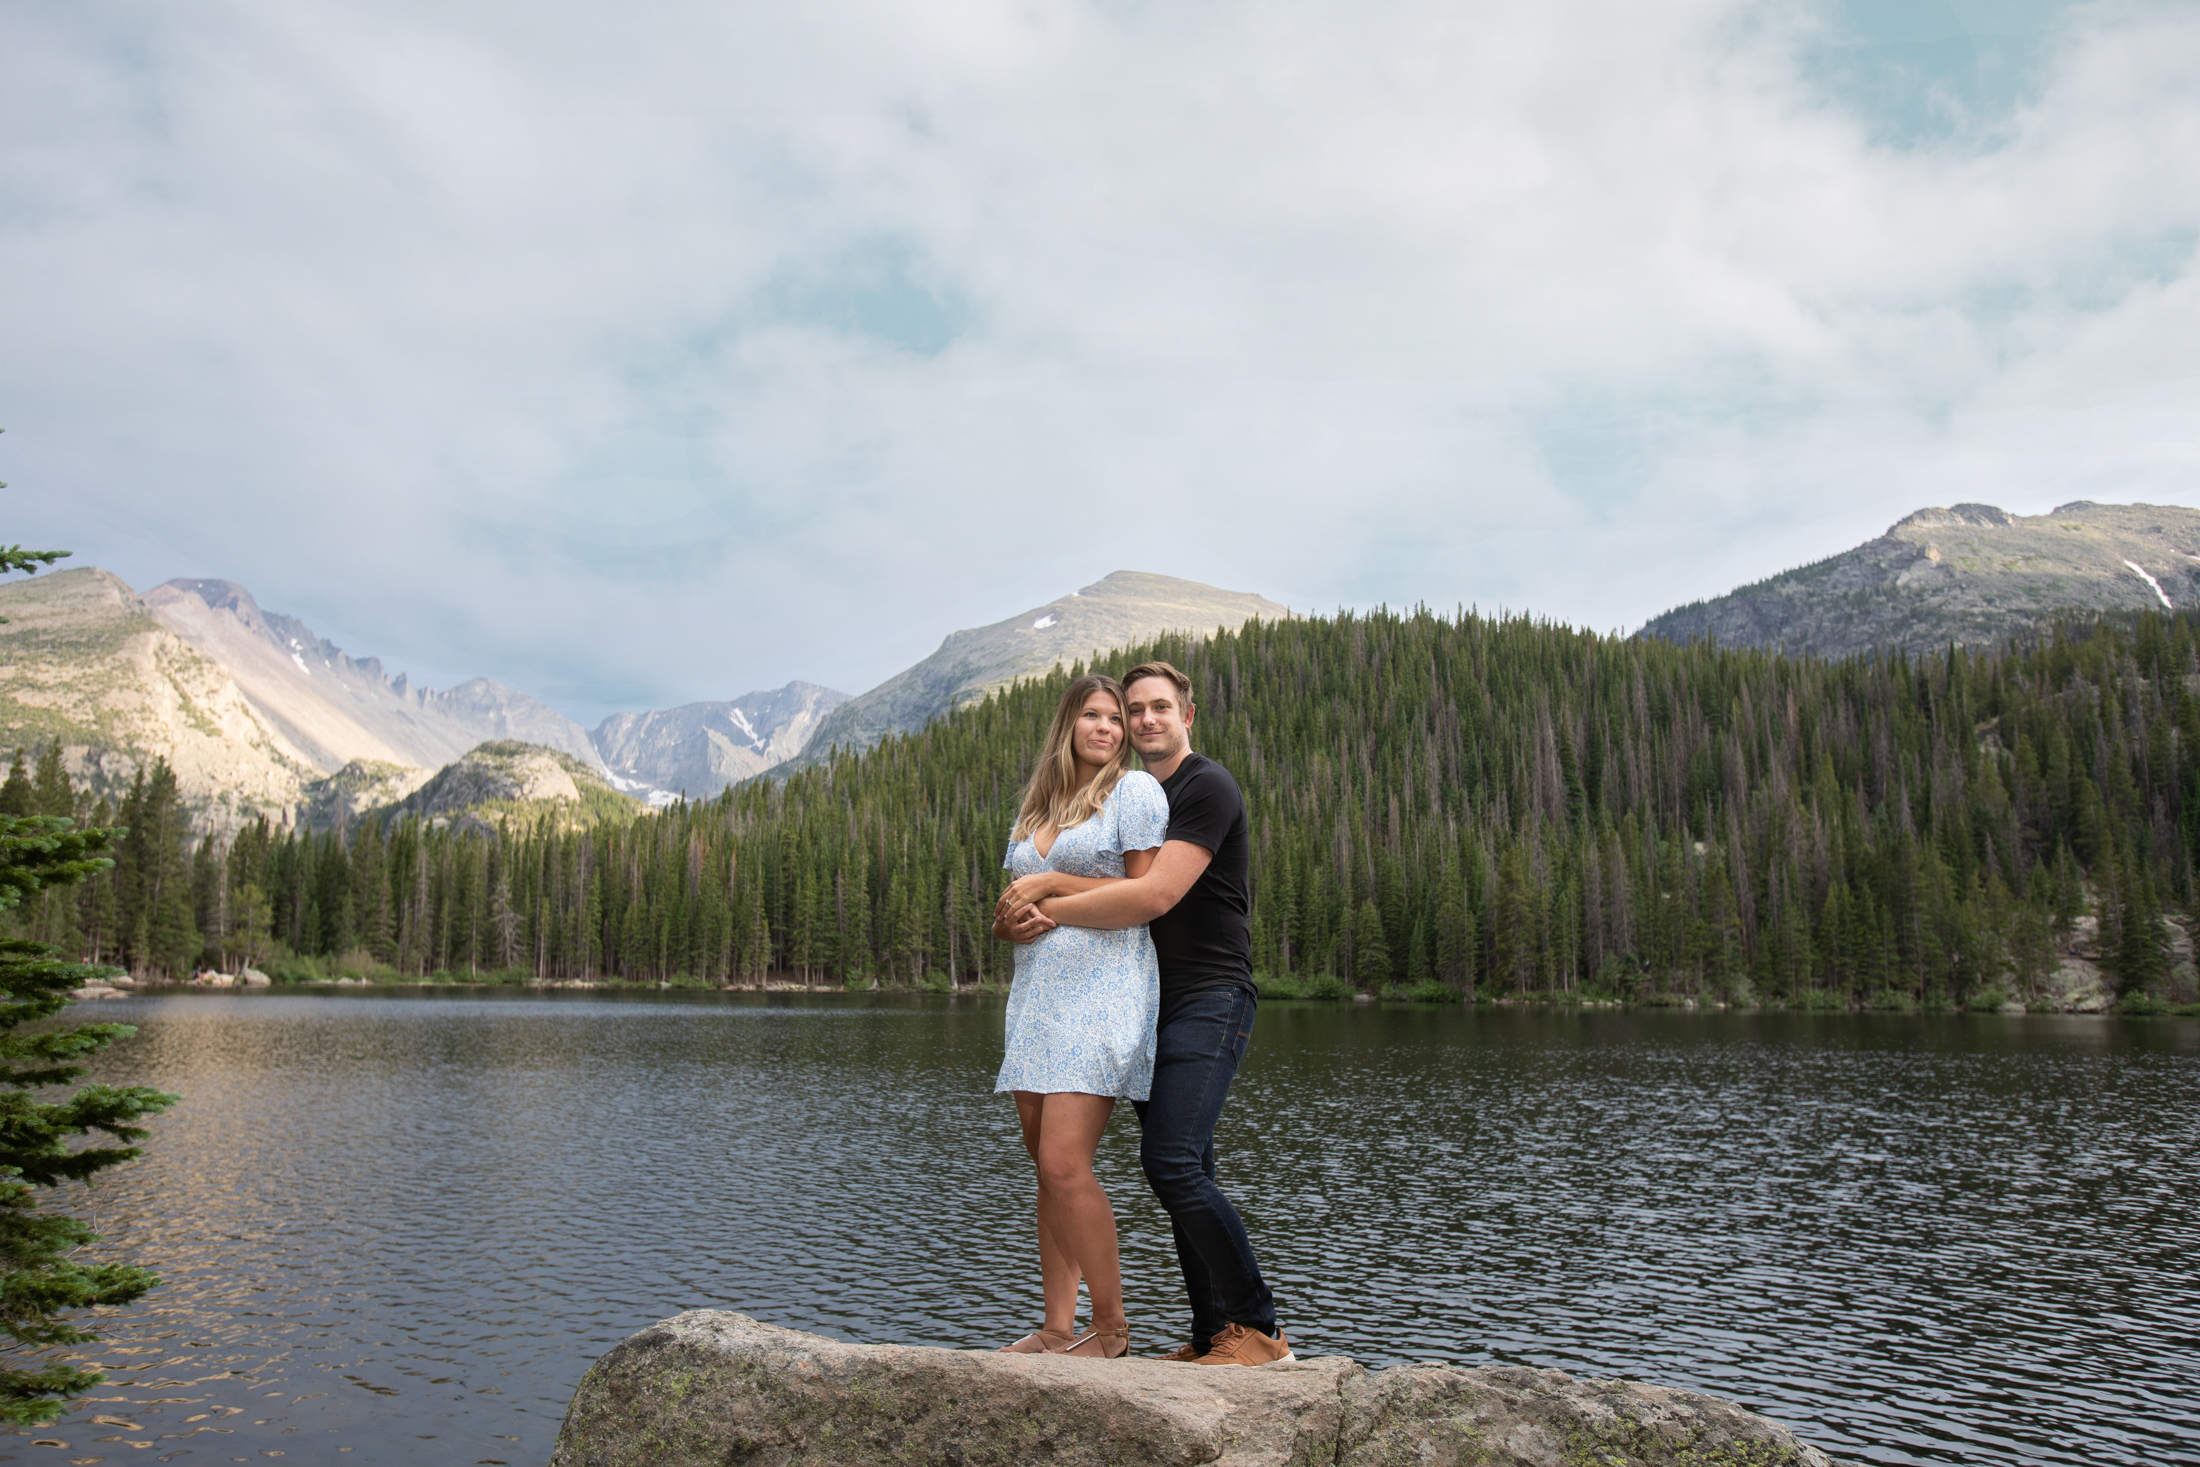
(1125, 608)
(700, 748)
(337, 708)
(84, 662)
(1971, 574)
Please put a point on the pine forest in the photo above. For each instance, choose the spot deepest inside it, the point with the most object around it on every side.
(1441, 807)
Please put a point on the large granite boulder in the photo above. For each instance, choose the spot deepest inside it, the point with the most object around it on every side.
(713, 1389)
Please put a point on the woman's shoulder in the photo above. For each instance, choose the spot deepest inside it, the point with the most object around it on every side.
(1141, 786)
(1138, 796)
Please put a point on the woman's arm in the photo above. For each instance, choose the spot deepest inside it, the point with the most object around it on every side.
(1028, 891)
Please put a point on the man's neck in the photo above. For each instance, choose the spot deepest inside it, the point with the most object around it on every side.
(1165, 768)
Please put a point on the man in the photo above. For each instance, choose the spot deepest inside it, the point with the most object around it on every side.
(1197, 901)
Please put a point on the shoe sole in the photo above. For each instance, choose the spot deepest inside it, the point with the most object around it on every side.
(1286, 1358)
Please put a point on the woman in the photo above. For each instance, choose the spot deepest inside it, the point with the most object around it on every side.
(1081, 1011)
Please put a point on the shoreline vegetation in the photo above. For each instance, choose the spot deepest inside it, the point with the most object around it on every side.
(1322, 988)
(1444, 807)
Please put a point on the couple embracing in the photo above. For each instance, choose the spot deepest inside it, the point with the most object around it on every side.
(1134, 981)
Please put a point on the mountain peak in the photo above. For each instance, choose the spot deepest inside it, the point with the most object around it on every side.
(703, 747)
(337, 708)
(1120, 609)
(511, 778)
(1982, 515)
(1970, 574)
(218, 594)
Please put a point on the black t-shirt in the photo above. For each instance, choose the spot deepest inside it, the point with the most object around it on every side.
(1204, 940)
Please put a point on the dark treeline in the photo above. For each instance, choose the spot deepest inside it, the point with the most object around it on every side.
(1449, 804)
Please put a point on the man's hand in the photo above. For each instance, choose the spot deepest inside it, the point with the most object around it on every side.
(1025, 892)
(1029, 926)
(1113, 905)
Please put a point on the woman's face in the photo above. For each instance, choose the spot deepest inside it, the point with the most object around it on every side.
(1099, 731)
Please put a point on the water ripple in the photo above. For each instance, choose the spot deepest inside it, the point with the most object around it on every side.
(395, 1229)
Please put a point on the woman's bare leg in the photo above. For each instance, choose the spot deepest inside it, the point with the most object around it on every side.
(1072, 1205)
(1058, 1274)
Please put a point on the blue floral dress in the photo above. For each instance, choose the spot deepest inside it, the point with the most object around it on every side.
(1081, 1012)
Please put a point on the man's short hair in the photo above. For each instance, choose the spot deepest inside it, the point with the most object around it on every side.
(1161, 670)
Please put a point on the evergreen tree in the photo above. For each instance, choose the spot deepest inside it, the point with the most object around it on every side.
(1419, 970)
(41, 1279)
(2141, 957)
(1524, 807)
(1454, 934)
(51, 787)
(1370, 953)
(17, 797)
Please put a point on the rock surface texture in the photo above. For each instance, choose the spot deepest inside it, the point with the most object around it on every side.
(709, 1387)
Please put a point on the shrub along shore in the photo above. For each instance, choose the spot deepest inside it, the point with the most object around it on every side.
(308, 974)
(1443, 806)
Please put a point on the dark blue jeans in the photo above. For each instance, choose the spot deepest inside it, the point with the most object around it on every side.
(1201, 1040)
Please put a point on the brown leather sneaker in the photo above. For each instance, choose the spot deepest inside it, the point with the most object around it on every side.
(1183, 1354)
(1241, 1345)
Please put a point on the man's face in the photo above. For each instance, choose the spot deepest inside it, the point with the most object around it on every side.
(1161, 722)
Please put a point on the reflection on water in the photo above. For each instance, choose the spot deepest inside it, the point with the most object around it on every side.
(397, 1228)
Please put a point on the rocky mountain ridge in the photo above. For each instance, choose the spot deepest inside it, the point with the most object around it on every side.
(506, 779)
(347, 713)
(1971, 574)
(259, 714)
(700, 748)
(337, 708)
(85, 664)
(1116, 611)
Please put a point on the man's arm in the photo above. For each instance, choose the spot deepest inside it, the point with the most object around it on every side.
(1016, 916)
(1137, 901)
(1028, 891)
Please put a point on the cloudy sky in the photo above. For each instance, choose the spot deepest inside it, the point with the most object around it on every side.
(644, 353)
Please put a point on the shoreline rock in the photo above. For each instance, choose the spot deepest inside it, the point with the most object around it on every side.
(714, 1387)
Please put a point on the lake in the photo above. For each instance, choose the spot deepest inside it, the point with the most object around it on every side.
(396, 1226)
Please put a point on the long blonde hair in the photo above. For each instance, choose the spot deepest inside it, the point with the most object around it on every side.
(1057, 794)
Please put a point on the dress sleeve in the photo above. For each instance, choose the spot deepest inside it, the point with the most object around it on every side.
(1141, 812)
(1008, 857)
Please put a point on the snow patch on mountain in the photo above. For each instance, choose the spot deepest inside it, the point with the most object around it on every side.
(700, 748)
(2138, 571)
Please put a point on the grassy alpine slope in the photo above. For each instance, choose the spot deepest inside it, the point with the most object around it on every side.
(1970, 574)
(1450, 804)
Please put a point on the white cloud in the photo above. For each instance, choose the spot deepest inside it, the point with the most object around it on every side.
(641, 356)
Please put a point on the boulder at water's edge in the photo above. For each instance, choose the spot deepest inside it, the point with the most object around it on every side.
(709, 1388)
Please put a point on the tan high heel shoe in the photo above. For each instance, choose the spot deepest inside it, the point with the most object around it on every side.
(1101, 1344)
(1041, 1341)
